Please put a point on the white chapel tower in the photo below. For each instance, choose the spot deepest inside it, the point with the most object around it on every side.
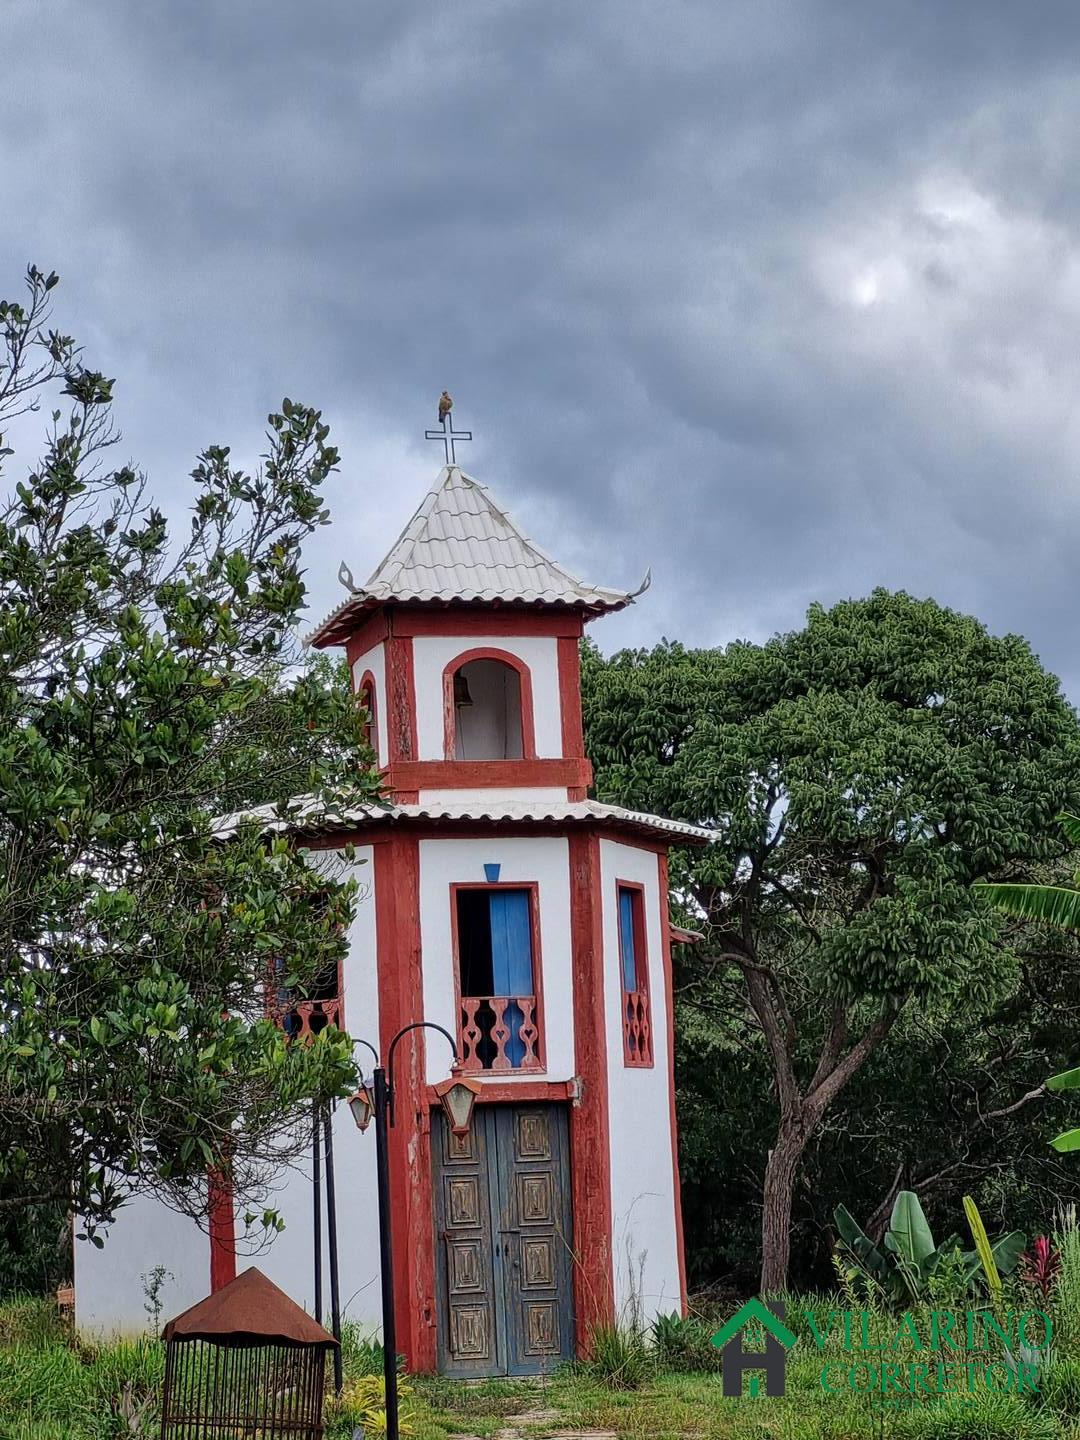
(529, 921)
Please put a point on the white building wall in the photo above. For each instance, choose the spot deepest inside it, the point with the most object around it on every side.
(375, 661)
(644, 1235)
(109, 1290)
(543, 859)
(497, 795)
(289, 1259)
(432, 654)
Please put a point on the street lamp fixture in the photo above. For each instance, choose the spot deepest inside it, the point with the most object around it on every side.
(376, 1102)
(457, 1096)
(362, 1106)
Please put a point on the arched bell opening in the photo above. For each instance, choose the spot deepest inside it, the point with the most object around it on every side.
(488, 704)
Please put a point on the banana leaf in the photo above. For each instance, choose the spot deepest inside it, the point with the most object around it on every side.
(1067, 1142)
(1052, 904)
(1067, 1080)
(982, 1247)
(1006, 1255)
(1071, 825)
(856, 1238)
(909, 1233)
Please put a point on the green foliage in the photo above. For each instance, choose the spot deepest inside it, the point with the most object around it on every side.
(907, 1262)
(1059, 907)
(619, 1357)
(29, 1320)
(859, 775)
(362, 1404)
(1059, 1386)
(143, 695)
(1067, 1288)
(361, 1352)
(990, 1417)
(684, 1343)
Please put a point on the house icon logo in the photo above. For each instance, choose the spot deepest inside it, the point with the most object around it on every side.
(734, 1359)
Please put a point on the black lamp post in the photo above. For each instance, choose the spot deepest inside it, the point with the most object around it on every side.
(458, 1096)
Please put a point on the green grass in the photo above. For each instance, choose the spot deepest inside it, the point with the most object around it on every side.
(54, 1388)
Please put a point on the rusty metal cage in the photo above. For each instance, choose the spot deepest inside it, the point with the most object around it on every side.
(244, 1363)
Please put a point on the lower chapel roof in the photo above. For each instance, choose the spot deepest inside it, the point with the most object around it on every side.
(572, 812)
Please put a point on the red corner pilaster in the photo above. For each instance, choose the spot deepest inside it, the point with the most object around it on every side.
(590, 1139)
(401, 1003)
(669, 1005)
(401, 699)
(221, 1222)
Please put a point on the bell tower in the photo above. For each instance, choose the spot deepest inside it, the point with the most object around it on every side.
(464, 645)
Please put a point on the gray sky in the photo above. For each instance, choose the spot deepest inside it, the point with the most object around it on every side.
(779, 298)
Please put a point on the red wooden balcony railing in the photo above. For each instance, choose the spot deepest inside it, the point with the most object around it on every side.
(500, 1033)
(305, 1018)
(637, 1028)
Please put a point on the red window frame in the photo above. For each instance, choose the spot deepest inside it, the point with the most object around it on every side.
(636, 1005)
(537, 1066)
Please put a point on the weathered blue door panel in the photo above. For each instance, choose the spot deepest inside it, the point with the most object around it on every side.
(504, 1242)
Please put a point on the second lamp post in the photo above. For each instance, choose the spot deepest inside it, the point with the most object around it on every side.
(376, 1101)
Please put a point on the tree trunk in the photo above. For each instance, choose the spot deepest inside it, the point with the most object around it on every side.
(780, 1172)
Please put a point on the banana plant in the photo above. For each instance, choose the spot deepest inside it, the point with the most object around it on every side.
(1057, 905)
(908, 1257)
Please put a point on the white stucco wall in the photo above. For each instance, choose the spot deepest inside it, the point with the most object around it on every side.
(541, 859)
(375, 661)
(431, 655)
(644, 1237)
(495, 795)
(289, 1259)
(109, 1292)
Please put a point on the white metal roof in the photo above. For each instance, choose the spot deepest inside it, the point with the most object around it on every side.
(460, 547)
(574, 812)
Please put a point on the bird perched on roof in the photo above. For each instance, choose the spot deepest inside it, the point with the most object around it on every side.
(445, 405)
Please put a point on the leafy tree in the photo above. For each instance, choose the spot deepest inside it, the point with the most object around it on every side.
(1054, 905)
(146, 689)
(859, 775)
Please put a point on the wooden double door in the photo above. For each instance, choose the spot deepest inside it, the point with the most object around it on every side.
(503, 1241)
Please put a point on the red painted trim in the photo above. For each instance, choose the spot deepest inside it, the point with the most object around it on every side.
(401, 1002)
(401, 701)
(484, 620)
(669, 1003)
(505, 657)
(573, 735)
(221, 1222)
(485, 774)
(366, 636)
(378, 831)
(641, 965)
(515, 1092)
(367, 680)
(590, 1140)
(537, 958)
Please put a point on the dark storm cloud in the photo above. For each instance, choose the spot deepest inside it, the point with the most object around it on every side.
(780, 299)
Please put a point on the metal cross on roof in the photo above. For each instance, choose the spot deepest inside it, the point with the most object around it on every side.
(448, 435)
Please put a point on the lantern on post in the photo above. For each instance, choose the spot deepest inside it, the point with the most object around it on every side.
(362, 1108)
(457, 1096)
(245, 1361)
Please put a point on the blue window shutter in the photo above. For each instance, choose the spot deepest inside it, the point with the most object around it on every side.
(511, 943)
(627, 946)
(512, 960)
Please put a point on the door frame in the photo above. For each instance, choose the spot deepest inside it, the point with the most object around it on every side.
(496, 1202)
